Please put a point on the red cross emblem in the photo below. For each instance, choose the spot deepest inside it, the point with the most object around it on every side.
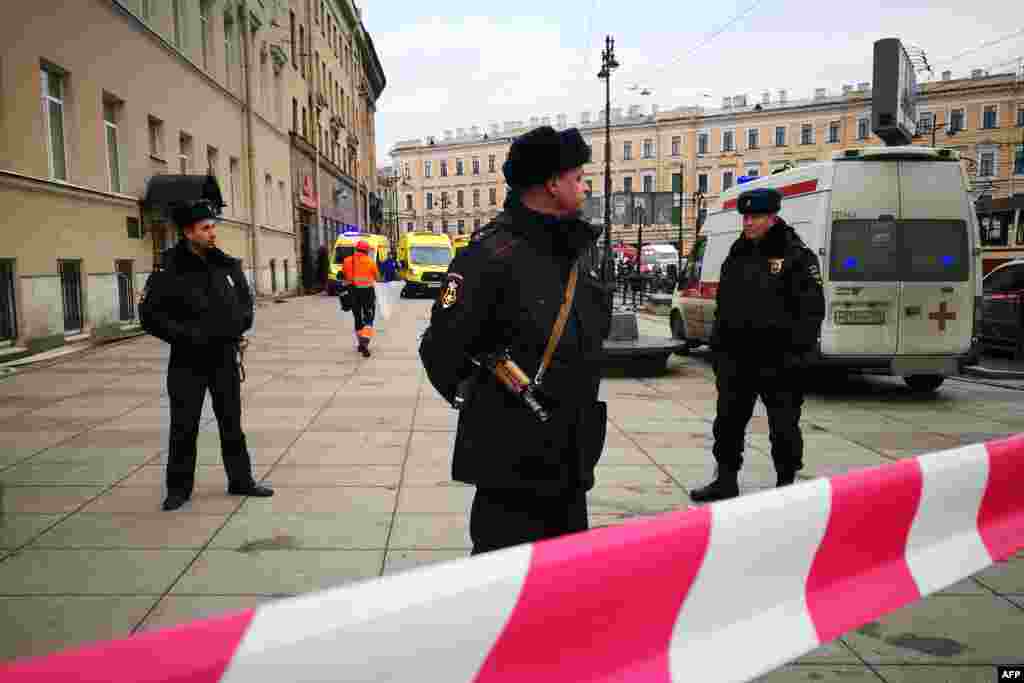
(942, 315)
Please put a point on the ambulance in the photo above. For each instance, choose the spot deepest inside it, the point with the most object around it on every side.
(423, 259)
(345, 246)
(898, 242)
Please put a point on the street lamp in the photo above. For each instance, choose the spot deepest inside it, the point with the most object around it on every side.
(608, 64)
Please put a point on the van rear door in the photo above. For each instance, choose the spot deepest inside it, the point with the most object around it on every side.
(937, 297)
(863, 284)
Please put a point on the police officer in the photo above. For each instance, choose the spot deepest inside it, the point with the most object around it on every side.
(505, 291)
(200, 305)
(769, 314)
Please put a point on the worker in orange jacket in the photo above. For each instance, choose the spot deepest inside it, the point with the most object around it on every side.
(360, 273)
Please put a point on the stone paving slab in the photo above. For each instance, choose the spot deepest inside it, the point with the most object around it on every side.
(359, 451)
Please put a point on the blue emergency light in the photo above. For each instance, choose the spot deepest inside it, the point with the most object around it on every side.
(850, 263)
(948, 260)
(746, 179)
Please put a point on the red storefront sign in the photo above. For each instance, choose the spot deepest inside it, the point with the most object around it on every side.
(308, 198)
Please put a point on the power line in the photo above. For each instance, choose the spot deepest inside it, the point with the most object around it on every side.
(972, 50)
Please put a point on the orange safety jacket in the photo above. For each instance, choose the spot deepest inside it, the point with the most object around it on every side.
(359, 270)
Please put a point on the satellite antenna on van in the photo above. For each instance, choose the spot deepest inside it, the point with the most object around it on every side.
(894, 93)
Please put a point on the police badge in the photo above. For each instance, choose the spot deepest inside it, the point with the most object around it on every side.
(775, 265)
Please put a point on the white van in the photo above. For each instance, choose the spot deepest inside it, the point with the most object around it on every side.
(900, 259)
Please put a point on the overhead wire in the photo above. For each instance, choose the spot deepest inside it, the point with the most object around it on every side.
(972, 50)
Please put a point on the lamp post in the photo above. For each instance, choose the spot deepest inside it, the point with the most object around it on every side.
(608, 64)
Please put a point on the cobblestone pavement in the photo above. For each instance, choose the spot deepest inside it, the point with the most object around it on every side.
(359, 452)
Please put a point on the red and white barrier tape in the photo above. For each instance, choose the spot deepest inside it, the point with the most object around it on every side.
(669, 598)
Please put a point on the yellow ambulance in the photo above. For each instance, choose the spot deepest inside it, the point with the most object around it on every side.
(423, 259)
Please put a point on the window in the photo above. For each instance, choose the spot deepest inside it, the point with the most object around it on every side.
(234, 186)
(204, 31)
(648, 183)
(462, 226)
(727, 180)
(229, 47)
(627, 151)
(908, 250)
(111, 111)
(986, 164)
(459, 199)
(590, 187)
(925, 122)
(295, 64)
(702, 182)
(493, 196)
(1020, 117)
(702, 143)
(459, 167)
(476, 224)
(1018, 160)
(780, 136)
(282, 201)
(490, 164)
(863, 128)
(212, 163)
(752, 135)
(444, 168)
(728, 141)
(269, 191)
(176, 19)
(956, 120)
(53, 115)
(408, 202)
(677, 184)
(990, 116)
(427, 169)
(444, 201)
(408, 226)
(430, 226)
(833, 132)
(476, 198)
(627, 184)
(185, 152)
(677, 142)
(806, 134)
(430, 201)
(648, 149)
(156, 138)
(476, 166)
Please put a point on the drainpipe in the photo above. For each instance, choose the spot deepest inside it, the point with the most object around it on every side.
(315, 113)
(251, 152)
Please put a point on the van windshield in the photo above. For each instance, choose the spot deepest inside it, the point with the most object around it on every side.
(341, 253)
(430, 256)
(907, 250)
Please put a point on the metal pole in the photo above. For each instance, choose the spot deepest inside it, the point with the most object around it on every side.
(316, 122)
(608, 63)
(682, 209)
(250, 152)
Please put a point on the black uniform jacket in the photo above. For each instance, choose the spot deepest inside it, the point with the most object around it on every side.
(504, 290)
(197, 303)
(770, 298)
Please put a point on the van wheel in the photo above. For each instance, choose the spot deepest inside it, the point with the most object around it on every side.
(679, 332)
(924, 382)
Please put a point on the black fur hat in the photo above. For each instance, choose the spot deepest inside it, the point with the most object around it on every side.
(542, 153)
(184, 215)
(760, 201)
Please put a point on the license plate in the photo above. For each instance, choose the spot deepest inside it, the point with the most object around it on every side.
(859, 317)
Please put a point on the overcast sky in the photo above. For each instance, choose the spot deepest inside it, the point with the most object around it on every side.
(449, 66)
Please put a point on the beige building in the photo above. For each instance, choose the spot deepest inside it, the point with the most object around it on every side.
(87, 117)
(688, 150)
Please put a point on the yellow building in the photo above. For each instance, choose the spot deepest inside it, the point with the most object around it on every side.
(161, 87)
(688, 150)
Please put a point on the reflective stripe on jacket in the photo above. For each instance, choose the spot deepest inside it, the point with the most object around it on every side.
(359, 270)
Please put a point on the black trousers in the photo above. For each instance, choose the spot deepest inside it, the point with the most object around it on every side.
(364, 306)
(189, 375)
(740, 382)
(501, 518)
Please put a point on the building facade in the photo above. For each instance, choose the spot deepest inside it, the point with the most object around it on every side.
(152, 87)
(454, 182)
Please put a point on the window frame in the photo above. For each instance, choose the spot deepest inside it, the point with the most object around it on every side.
(985, 109)
(703, 143)
(835, 134)
(460, 167)
(782, 130)
(863, 127)
(731, 147)
(703, 183)
(677, 144)
(731, 173)
(427, 168)
(428, 201)
(756, 142)
(806, 133)
(648, 148)
(47, 72)
(110, 127)
(627, 150)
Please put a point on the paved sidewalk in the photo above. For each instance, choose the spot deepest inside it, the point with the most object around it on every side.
(359, 452)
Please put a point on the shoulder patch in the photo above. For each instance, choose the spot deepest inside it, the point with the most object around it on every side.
(452, 291)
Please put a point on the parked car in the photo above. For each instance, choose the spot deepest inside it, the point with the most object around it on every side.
(1002, 308)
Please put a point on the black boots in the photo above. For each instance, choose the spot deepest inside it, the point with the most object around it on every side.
(724, 486)
(251, 489)
(174, 501)
(364, 347)
(785, 479)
